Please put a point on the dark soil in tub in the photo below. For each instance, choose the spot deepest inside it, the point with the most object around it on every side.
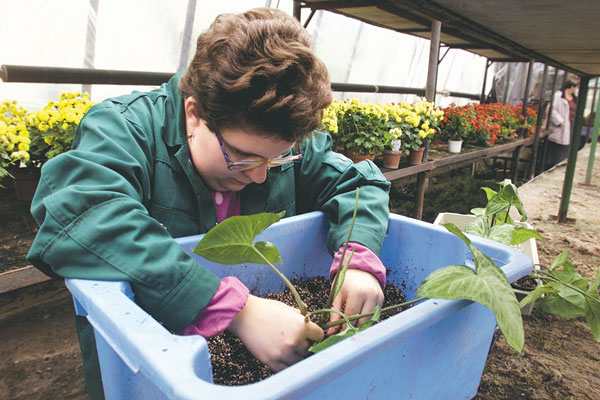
(233, 365)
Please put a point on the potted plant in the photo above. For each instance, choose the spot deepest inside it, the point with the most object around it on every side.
(361, 127)
(418, 122)
(392, 144)
(457, 125)
(57, 122)
(22, 152)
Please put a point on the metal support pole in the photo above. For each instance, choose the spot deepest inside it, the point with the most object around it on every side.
(487, 66)
(552, 97)
(573, 149)
(538, 125)
(434, 53)
(297, 10)
(517, 152)
(588, 174)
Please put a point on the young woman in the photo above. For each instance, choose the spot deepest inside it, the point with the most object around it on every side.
(235, 134)
(563, 112)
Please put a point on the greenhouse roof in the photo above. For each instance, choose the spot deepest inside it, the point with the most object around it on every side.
(560, 33)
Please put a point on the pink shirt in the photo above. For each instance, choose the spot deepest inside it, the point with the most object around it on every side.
(231, 295)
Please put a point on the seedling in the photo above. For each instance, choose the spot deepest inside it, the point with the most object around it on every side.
(494, 221)
(566, 293)
(562, 292)
(232, 242)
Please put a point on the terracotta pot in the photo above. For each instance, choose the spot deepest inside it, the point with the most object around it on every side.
(25, 183)
(416, 156)
(359, 157)
(391, 158)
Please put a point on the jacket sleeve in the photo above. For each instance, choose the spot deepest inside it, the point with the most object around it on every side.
(326, 181)
(93, 223)
(557, 117)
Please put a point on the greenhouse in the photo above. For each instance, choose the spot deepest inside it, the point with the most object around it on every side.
(299, 199)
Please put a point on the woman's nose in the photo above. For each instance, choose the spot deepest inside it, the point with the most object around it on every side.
(258, 174)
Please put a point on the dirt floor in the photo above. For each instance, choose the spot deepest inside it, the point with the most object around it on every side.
(41, 360)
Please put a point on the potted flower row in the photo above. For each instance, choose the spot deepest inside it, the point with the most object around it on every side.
(363, 130)
(29, 139)
(484, 124)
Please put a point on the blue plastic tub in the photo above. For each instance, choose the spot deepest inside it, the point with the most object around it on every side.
(435, 350)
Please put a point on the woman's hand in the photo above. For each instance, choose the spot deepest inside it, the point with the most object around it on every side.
(360, 294)
(275, 333)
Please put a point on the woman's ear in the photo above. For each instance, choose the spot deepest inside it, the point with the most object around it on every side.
(192, 120)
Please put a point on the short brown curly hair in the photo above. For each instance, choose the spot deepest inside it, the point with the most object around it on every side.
(256, 70)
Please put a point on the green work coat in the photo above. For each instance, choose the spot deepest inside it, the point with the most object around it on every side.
(110, 208)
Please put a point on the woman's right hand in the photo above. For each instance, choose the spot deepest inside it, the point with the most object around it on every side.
(274, 332)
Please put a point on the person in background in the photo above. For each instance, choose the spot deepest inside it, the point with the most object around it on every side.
(561, 120)
(235, 134)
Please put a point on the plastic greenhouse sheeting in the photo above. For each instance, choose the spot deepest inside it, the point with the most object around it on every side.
(150, 35)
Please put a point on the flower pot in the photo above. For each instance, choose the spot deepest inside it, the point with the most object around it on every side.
(391, 158)
(359, 157)
(454, 146)
(447, 339)
(25, 183)
(416, 156)
(522, 288)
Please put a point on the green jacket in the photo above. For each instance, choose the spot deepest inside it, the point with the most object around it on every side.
(109, 208)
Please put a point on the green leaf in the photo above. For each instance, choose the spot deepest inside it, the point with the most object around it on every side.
(231, 241)
(521, 235)
(559, 260)
(478, 227)
(478, 211)
(536, 294)
(489, 192)
(594, 286)
(592, 312)
(505, 198)
(487, 285)
(333, 339)
(454, 229)
(374, 318)
(558, 306)
(502, 233)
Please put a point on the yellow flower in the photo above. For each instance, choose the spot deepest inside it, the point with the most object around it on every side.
(43, 127)
(23, 146)
(43, 116)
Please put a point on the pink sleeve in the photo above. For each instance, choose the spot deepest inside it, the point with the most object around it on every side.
(363, 259)
(227, 302)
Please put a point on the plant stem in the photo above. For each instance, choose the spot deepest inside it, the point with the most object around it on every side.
(359, 316)
(544, 276)
(289, 284)
(341, 272)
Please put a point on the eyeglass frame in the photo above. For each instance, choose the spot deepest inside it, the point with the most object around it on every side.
(247, 164)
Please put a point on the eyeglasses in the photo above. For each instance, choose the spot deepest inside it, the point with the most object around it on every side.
(253, 162)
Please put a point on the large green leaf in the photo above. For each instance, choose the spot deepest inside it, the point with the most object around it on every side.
(572, 296)
(536, 294)
(479, 226)
(558, 306)
(487, 285)
(521, 234)
(592, 311)
(559, 260)
(502, 233)
(231, 241)
(505, 198)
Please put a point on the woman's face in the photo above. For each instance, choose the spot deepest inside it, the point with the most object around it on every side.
(239, 144)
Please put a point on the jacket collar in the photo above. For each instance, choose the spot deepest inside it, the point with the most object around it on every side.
(176, 135)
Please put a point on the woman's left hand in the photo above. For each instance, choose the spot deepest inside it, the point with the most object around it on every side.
(360, 294)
